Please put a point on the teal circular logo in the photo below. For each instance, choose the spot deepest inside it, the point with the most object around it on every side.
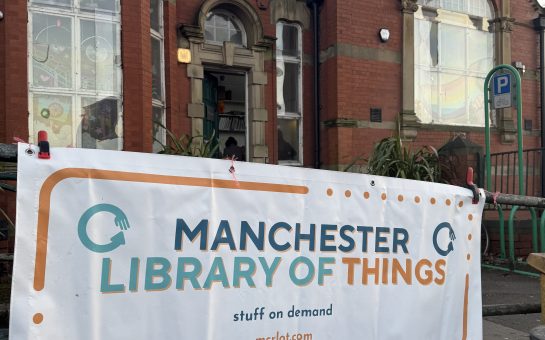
(120, 220)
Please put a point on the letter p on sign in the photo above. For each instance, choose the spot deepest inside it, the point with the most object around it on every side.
(502, 91)
(502, 84)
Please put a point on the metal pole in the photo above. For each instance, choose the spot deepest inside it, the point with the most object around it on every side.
(540, 25)
(315, 7)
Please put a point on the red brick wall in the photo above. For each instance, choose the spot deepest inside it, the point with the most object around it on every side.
(13, 83)
(136, 56)
(173, 87)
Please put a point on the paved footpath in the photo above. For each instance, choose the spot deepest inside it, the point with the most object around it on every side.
(494, 331)
(508, 288)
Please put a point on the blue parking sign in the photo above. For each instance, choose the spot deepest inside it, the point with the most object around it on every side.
(501, 91)
(502, 84)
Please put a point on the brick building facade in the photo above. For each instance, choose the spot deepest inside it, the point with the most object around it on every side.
(359, 72)
(251, 73)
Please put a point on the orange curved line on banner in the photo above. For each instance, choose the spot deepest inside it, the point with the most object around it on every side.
(58, 176)
(466, 299)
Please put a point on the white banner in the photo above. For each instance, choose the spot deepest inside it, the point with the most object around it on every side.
(119, 245)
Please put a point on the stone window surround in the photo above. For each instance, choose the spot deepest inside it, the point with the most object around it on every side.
(250, 59)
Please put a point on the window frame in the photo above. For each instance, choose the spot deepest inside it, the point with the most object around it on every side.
(75, 92)
(286, 115)
(452, 20)
(231, 16)
(159, 103)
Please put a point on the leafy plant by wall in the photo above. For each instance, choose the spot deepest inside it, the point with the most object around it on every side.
(185, 145)
(390, 158)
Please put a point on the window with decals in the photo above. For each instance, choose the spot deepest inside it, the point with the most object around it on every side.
(75, 72)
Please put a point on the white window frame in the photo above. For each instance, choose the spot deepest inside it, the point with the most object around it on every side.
(160, 103)
(231, 16)
(76, 15)
(440, 69)
(282, 114)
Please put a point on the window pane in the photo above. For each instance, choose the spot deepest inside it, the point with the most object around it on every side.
(288, 87)
(51, 51)
(476, 101)
(155, 14)
(426, 99)
(99, 5)
(220, 27)
(235, 37)
(98, 56)
(287, 41)
(453, 99)
(159, 133)
(429, 3)
(453, 52)
(480, 51)
(53, 113)
(67, 3)
(426, 51)
(156, 74)
(455, 5)
(288, 139)
(99, 121)
(220, 20)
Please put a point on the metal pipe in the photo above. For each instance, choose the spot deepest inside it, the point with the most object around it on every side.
(511, 309)
(315, 6)
(508, 199)
(539, 24)
(542, 100)
(522, 272)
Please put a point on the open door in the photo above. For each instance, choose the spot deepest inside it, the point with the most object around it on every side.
(211, 120)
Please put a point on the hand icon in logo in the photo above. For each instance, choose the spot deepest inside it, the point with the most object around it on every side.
(117, 240)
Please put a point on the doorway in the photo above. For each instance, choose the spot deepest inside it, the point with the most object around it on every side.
(225, 113)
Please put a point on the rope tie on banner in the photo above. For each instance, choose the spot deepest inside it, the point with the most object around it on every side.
(494, 197)
(232, 169)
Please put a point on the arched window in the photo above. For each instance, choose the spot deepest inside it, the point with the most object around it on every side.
(454, 51)
(221, 26)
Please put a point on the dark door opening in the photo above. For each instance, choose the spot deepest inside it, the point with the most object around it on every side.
(224, 98)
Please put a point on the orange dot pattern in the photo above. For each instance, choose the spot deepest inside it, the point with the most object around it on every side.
(461, 204)
(470, 217)
(366, 195)
(448, 202)
(347, 193)
(329, 192)
(38, 318)
(469, 237)
(417, 199)
(400, 198)
(383, 196)
(433, 200)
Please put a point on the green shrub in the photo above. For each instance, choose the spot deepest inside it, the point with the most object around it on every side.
(390, 158)
(185, 145)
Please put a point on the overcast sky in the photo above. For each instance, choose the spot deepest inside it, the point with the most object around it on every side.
(541, 2)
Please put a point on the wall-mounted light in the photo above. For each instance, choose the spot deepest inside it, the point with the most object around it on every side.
(384, 34)
(184, 55)
(1, 15)
(520, 66)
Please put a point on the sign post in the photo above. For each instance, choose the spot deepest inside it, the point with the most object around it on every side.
(501, 92)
